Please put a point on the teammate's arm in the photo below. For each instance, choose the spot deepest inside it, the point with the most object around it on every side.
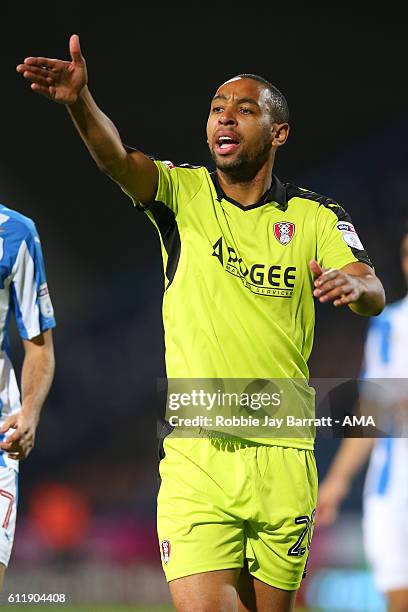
(66, 83)
(354, 284)
(351, 456)
(36, 378)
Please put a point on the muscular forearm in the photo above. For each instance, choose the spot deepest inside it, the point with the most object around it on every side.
(36, 379)
(372, 299)
(99, 134)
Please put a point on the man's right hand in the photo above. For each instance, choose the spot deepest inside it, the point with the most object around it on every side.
(66, 83)
(56, 79)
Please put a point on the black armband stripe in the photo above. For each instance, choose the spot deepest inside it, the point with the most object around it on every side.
(342, 215)
(165, 220)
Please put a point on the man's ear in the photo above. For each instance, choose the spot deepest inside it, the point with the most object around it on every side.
(280, 134)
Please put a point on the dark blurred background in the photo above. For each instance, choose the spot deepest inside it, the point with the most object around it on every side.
(345, 81)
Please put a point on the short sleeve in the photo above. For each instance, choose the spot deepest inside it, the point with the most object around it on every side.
(30, 297)
(338, 243)
(177, 185)
(169, 185)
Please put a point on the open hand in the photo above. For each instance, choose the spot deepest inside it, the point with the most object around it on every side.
(55, 79)
(335, 286)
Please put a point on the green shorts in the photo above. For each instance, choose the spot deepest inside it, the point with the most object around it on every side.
(222, 503)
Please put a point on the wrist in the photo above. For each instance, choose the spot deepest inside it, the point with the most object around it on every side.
(371, 299)
(82, 99)
(30, 415)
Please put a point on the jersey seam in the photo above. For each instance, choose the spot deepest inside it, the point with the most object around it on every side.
(202, 172)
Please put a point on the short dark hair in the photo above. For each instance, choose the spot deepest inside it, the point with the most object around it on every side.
(278, 105)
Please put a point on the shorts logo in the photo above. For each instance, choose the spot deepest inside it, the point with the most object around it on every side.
(169, 164)
(284, 231)
(165, 550)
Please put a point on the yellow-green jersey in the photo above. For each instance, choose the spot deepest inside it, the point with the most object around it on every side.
(238, 299)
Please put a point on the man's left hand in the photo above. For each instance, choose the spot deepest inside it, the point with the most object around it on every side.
(18, 444)
(336, 286)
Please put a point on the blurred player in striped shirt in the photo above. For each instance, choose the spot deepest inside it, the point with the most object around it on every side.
(23, 293)
(385, 502)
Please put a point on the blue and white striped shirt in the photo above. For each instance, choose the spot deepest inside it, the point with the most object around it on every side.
(23, 292)
(386, 357)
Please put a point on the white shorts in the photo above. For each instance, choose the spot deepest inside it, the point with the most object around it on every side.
(385, 532)
(8, 511)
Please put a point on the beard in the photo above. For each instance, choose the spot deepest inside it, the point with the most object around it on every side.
(245, 166)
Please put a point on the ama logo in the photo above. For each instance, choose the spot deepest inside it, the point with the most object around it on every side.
(165, 550)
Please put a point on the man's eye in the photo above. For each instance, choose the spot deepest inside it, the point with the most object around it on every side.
(245, 111)
(217, 109)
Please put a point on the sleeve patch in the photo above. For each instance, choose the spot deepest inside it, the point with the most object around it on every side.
(349, 235)
(169, 164)
(45, 303)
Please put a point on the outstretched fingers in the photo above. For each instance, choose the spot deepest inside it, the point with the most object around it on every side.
(40, 76)
(46, 91)
(42, 62)
(340, 294)
(346, 298)
(335, 286)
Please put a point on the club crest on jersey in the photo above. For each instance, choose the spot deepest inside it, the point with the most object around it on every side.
(165, 550)
(284, 231)
(169, 164)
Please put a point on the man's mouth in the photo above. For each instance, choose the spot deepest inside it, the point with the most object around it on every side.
(225, 144)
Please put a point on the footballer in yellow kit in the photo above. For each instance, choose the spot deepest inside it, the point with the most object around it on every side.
(243, 254)
(238, 303)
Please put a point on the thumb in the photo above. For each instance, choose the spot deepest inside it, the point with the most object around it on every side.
(315, 268)
(75, 49)
(9, 422)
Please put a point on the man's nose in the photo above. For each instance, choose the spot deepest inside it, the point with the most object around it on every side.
(227, 117)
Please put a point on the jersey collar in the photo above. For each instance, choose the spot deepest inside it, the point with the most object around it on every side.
(275, 193)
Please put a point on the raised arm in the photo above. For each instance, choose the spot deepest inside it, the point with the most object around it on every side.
(66, 82)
